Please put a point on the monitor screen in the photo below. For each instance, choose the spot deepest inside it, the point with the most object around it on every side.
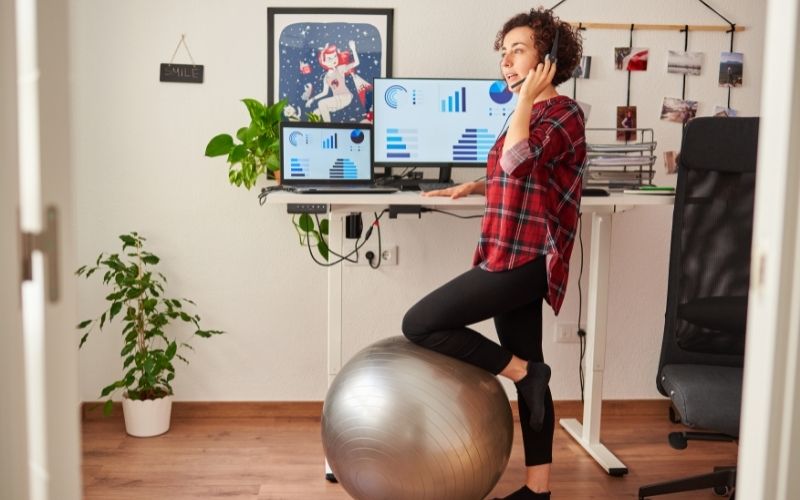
(438, 122)
(326, 151)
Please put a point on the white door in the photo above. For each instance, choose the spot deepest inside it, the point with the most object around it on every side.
(13, 454)
(39, 431)
(769, 446)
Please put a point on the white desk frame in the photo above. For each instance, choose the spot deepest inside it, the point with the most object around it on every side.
(602, 210)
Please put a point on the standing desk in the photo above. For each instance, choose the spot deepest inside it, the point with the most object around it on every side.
(602, 209)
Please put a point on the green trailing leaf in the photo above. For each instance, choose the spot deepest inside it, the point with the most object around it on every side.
(323, 226)
(219, 145)
(84, 324)
(323, 248)
(83, 339)
(237, 154)
(255, 108)
(306, 223)
(108, 408)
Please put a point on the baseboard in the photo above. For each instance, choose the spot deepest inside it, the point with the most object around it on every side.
(313, 409)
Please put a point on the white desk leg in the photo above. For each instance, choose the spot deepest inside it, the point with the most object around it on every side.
(335, 243)
(588, 434)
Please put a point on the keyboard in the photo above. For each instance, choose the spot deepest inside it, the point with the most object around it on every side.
(433, 186)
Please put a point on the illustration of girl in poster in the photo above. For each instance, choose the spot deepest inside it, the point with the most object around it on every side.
(324, 66)
(337, 67)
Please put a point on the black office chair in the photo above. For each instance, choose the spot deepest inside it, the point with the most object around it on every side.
(702, 352)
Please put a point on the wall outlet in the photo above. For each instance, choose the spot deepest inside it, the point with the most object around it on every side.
(388, 255)
(567, 333)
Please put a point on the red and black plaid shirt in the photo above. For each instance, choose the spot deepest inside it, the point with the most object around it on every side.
(533, 195)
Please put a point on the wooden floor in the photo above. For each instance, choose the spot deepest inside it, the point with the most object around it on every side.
(237, 454)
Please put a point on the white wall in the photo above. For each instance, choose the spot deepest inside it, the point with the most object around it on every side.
(139, 165)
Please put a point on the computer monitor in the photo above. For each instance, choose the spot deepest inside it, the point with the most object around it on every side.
(438, 122)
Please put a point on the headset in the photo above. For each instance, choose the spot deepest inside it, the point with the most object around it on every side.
(552, 56)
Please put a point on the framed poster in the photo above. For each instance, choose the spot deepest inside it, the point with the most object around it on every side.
(324, 61)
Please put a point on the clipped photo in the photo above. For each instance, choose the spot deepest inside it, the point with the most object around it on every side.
(687, 63)
(671, 162)
(631, 58)
(731, 65)
(626, 120)
(724, 111)
(584, 68)
(678, 110)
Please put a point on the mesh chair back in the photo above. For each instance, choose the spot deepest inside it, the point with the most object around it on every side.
(709, 270)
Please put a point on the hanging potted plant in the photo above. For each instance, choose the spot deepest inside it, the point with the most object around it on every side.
(259, 148)
(258, 153)
(149, 352)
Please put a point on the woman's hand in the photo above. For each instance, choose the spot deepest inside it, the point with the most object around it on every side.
(537, 80)
(454, 192)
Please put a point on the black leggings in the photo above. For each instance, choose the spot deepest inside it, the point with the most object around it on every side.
(514, 299)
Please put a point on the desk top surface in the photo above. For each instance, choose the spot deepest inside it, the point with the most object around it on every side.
(618, 201)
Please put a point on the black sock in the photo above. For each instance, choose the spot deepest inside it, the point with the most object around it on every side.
(526, 493)
(533, 388)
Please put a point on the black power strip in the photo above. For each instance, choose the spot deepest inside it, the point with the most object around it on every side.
(307, 208)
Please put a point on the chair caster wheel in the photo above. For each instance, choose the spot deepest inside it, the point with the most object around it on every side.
(722, 491)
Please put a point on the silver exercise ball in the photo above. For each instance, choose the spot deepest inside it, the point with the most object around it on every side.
(401, 422)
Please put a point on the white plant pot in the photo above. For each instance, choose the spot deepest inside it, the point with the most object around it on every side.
(147, 418)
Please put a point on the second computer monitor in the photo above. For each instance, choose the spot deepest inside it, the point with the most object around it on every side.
(438, 122)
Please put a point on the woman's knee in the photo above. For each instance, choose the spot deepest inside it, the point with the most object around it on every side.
(413, 329)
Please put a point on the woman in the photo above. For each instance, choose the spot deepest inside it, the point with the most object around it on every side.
(532, 189)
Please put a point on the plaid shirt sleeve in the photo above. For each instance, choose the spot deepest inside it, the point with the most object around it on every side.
(533, 196)
(545, 146)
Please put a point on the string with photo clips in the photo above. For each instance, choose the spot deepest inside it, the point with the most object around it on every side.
(575, 79)
(732, 31)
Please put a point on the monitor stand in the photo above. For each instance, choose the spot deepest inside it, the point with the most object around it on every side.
(444, 174)
(412, 184)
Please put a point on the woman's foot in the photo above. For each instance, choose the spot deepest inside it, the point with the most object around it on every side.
(526, 493)
(533, 388)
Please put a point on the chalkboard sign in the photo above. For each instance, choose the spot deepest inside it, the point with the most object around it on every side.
(182, 73)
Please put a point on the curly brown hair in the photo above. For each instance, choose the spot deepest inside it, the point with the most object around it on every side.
(545, 25)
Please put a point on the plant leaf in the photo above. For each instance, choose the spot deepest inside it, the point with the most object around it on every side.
(171, 350)
(108, 407)
(108, 389)
(219, 145)
(255, 108)
(115, 308)
(323, 248)
(150, 259)
(306, 223)
(237, 154)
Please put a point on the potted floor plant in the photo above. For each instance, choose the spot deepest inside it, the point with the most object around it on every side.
(137, 300)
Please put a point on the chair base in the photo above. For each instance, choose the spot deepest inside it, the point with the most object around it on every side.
(722, 480)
